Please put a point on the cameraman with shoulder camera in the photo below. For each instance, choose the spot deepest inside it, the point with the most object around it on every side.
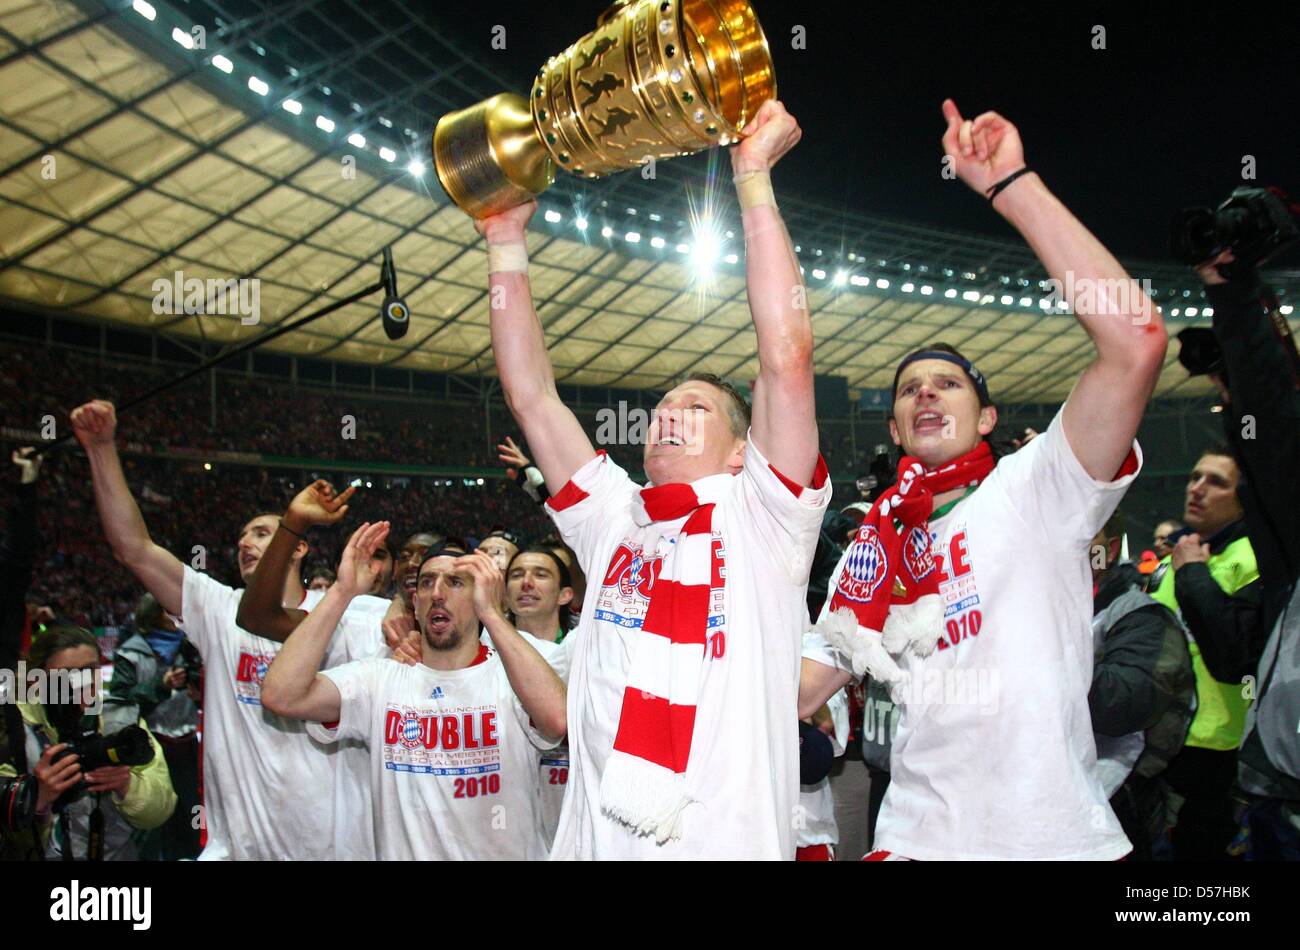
(1257, 369)
(86, 807)
(17, 554)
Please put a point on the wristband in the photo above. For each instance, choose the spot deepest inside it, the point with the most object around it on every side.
(301, 537)
(754, 189)
(508, 258)
(1002, 185)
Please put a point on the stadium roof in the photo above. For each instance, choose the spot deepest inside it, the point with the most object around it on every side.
(133, 153)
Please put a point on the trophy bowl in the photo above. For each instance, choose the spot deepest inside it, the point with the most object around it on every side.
(655, 79)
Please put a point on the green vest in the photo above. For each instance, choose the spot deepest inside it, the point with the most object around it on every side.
(1221, 709)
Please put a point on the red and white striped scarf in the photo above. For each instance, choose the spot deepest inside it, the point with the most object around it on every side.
(643, 784)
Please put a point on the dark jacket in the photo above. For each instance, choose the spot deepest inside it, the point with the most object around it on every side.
(1230, 628)
(17, 555)
(1142, 680)
(1263, 375)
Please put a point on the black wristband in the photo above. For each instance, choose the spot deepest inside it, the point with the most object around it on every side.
(301, 537)
(1002, 185)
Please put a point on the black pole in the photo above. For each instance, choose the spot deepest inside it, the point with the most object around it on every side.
(218, 360)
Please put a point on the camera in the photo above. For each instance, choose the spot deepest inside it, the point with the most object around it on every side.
(130, 745)
(1256, 224)
(1199, 351)
(17, 802)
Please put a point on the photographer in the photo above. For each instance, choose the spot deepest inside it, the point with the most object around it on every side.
(1259, 375)
(90, 814)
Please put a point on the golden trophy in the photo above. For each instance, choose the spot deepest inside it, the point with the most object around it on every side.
(655, 79)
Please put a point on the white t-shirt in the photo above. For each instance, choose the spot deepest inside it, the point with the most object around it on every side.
(553, 764)
(267, 786)
(994, 756)
(361, 604)
(816, 801)
(452, 759)
(743, 772)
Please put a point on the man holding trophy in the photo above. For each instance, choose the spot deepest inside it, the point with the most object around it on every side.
(684, 668)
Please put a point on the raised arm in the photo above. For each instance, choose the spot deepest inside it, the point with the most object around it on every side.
(261, 609)
(161, 573)
(293, 686)
(527, 380)
(1102, 414)
(784, 421)
(535, 683)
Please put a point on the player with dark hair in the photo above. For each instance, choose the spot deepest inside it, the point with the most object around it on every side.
(967, 589)
(451, 739)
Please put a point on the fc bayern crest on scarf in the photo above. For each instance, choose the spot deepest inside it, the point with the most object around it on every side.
(917, 555)
(864, 570)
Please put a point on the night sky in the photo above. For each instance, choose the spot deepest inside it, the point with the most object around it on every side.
(1159, 120)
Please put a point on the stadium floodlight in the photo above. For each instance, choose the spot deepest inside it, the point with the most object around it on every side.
(971, 295)
(183, 38)
(708, 250)
(1286, 311)
(292, 105)
(732, 259)
(857, 280)
(683, 249)
(1026, 302)
(882, 284)
(818, 274)
(656, 217)
(657, 243)
(908, 287)
(145, 10)
(950, 293)
(357, 140)
(258, 85)
(553, 216)
(1207, 312)
(632, 237)
(1174, 312)
(324, 124)
(606, 231)
(926, 290)
(223, 64)
(416, 168)
(1191, 311)
(387, 154)
(580, 223)
(1007, 300)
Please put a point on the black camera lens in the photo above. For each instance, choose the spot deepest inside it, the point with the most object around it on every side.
(17, 802)
(1194, 235)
